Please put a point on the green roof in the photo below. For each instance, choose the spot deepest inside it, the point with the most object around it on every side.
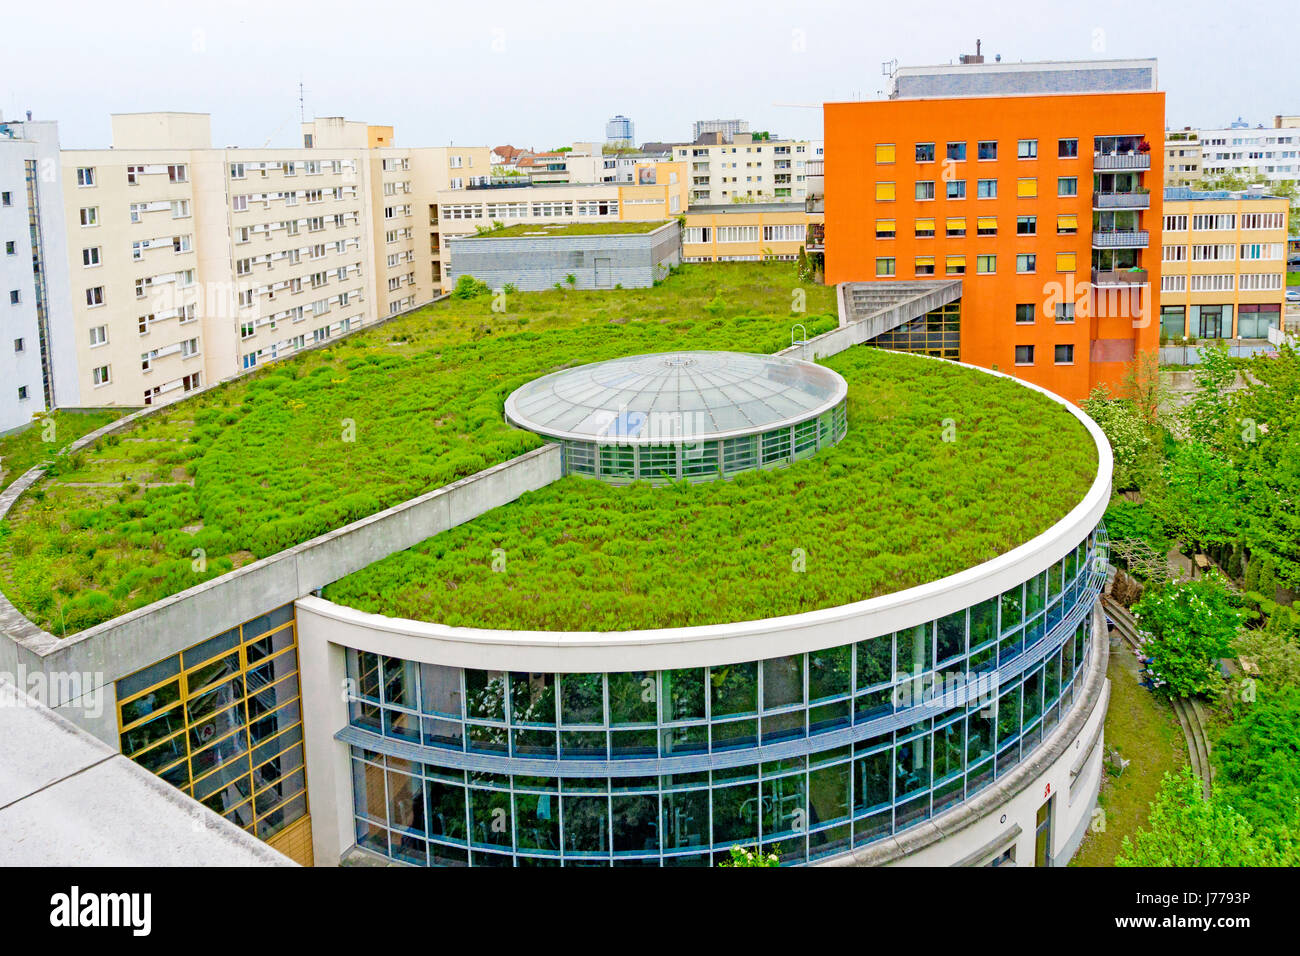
(892, 506)
(308, 444)
(535, 231)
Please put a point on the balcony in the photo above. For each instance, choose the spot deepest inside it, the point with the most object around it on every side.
(1121, 200)
(1119, 277)
(1120, 239)
(1133, 160)
(816, 239)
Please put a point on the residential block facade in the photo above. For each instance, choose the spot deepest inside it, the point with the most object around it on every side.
(1042, 205)
(1223, 268)
(748, 170)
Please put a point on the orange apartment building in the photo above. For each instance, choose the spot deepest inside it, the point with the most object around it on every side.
(1046, 207)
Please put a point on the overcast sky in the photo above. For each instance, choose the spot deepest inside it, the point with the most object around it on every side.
(542, 74)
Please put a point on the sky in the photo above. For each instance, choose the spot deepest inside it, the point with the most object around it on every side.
(546, 74)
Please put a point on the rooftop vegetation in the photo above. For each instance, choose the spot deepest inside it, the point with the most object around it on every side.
(42, 439)
(304, 446)
(894, 505)
(535, 231)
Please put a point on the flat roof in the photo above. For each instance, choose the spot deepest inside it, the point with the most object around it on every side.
(543, 231)
(1186, 193)
(68, 799)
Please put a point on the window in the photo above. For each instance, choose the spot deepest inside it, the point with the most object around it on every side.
(1067, 225)
(10, 248)
(1065, 355)
(956, 189)
(239, 203)
(885, 229)
(85, 176)
(99, 376)
(180, 243)
(1067, 186)
(237, 170)
(90, 215)
(247, 330)
(90, 257)
(18, 345)
(987, 149)
(1064, 312)
(98, 335)
(1025, 312)
(925, 152)
(925, 265)
(1027, 149)
(1067, 148)
(884, 152)
(1214, 222)
(6, 199)
(955, 265)
(957, 151)
(986, 226)
(885, 266)
(95, 296)
(1026, 225)
(987, 189)
(925, 189)
(1066, 262)
(15, 297)
(925, 228)
(956, 226)
(22, 392)
(1027, 188)
(1026, 263)
(986, 265)
(180, 208)
(1175, 223)
(177, 173)
(189, 347)
(1024, 355)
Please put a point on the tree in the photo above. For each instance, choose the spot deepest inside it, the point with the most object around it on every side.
(1142, 386)
(1125, 429)
(744, 856)
(1189, 626)
(1183, 829)
(1199, 500)
(1258, 762)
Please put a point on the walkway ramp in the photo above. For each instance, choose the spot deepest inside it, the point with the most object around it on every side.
(869, 309)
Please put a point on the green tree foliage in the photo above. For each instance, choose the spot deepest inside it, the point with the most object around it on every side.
(1184, 829)
(1189, 626)
(467, 287)
(1257, 760)
(1129, 434)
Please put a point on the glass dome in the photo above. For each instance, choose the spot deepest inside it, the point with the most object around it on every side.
(695, 415)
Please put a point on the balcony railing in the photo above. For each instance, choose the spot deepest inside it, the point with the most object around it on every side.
(1121, 161)
(816, 238)
(1121, 200)
(1120, 239)
(1119, 277)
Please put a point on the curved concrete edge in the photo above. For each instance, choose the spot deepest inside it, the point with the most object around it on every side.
(953, 824)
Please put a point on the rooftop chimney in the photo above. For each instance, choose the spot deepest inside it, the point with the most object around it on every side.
(975, 57)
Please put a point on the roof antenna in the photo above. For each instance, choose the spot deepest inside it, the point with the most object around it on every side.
(302, 110)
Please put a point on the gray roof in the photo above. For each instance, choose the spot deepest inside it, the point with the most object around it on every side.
(68, 799)
(674, 396)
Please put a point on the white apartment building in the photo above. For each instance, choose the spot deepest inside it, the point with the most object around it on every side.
(1270, 152)
(36, 368)
(748, 170)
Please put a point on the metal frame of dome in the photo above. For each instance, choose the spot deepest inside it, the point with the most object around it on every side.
(694, 415)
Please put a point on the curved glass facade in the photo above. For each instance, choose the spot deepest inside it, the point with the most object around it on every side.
(806, 755)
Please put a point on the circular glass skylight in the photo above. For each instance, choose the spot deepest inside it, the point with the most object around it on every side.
(696, 415)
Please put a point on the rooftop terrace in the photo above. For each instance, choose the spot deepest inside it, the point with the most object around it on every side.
(539, 231)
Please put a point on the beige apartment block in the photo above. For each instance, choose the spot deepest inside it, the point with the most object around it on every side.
(1183, 160)
(1223, 269)
(190, 264)
(749, 232)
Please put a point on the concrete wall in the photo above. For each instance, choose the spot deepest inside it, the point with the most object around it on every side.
(633, 260)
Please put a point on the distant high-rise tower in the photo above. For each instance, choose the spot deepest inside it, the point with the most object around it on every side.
(728, 128)
(619, 129)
